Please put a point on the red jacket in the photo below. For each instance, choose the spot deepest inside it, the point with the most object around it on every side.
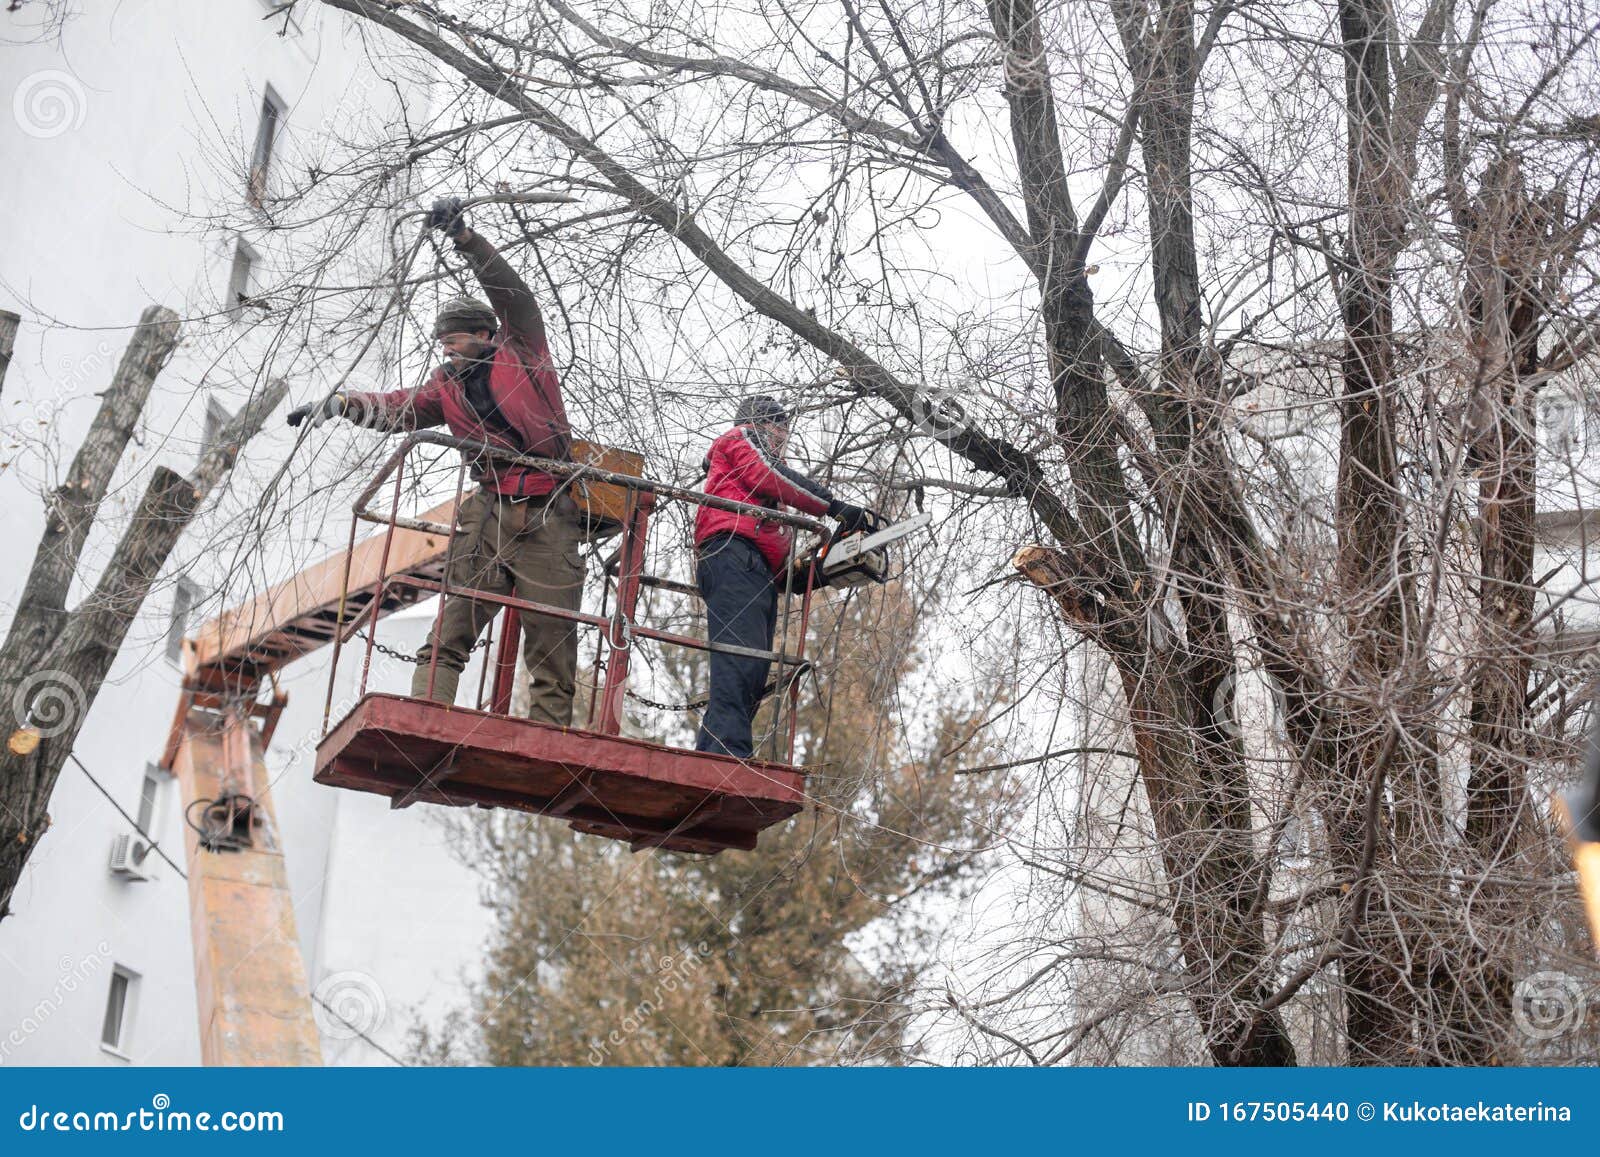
(739, 466)
(522, 380)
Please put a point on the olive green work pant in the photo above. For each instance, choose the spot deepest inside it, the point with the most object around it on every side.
(527, 549)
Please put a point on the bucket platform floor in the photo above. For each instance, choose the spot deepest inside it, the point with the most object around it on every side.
(418, 751)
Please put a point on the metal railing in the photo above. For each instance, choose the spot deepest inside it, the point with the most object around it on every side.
(624, 575)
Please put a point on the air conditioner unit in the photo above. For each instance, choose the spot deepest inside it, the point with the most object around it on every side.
(127, 858)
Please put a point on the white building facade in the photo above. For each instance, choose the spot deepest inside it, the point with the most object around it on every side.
(130, 135)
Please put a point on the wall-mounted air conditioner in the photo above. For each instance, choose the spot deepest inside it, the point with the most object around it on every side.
(128, 853)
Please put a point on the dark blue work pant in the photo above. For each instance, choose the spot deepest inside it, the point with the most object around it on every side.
(741, 598)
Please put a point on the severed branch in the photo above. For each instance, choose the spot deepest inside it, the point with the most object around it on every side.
(73, 505)
(65, 678)
(1048, 569)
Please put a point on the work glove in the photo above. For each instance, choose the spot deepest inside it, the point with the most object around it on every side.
(448, 216)
(319, 412)
(854, 518)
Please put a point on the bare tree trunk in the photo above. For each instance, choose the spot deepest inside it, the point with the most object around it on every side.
(1386, 99)
(53, 699)
(70, 514)
(1508, 245)
(1165, 59)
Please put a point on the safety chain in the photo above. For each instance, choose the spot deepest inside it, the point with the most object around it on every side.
(777, 686)
(393, 654)
(692, 705)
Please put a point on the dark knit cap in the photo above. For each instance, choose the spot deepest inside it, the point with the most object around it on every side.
(762, 408)
(464, 315)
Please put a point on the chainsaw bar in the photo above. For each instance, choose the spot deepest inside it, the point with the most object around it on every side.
(859, 558)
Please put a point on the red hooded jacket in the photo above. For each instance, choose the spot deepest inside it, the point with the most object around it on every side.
(522, 381)
(741, 467)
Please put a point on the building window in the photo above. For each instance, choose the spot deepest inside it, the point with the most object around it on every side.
(184, 596)
(150, 799)
(217, 417)
(119, 1009)
(241, 278)
(266, 140)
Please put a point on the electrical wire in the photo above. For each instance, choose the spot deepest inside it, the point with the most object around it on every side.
(133, 823)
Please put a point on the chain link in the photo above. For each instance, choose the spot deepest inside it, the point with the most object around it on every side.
(404, 658)
(692, 705)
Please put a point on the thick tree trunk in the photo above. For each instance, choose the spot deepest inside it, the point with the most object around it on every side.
(54, 699)
(1182, 414)
(1384, 969)
(1507, 247)
(73, 505)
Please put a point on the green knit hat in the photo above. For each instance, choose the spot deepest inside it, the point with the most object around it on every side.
(464, 315)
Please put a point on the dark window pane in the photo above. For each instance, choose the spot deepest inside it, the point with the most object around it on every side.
(241, 277)
(116, 1004)
(261, 158)
(148, 792)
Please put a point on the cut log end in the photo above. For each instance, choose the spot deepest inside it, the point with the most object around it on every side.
(1049, 570)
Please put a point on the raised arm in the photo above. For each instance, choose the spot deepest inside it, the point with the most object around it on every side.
(510, 296)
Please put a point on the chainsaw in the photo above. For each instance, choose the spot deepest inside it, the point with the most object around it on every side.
(855, 558)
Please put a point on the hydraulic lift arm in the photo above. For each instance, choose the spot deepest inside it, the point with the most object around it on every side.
(255, 1003)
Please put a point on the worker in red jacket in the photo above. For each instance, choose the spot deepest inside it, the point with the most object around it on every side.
(518, 532)
(740, 556)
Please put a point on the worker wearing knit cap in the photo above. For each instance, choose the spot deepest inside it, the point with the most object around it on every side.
(518, 532)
